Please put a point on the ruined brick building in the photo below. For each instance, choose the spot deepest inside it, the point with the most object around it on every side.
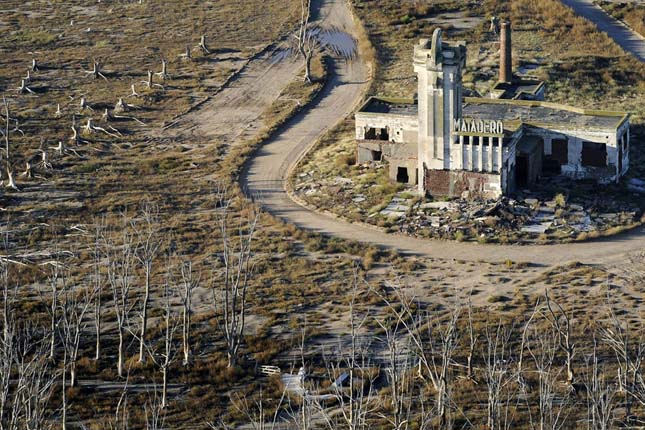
(451, 145)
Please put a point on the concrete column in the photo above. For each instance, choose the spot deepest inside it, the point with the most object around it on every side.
(471, 162)
(490, 154)
(461, 152)
(500, 153)
(480, 161)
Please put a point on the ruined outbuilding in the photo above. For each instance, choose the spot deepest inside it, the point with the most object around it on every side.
(451, 145)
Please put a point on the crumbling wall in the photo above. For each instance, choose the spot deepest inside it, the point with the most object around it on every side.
(461, 183)
(401, 128)
(575, 168)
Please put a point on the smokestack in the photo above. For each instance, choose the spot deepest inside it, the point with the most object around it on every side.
(506, 53)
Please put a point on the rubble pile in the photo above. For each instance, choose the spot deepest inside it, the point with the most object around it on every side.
(528, 217)
(525, 219)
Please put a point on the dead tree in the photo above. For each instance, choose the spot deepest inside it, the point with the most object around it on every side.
(472, 341)
(434, 342)
(120, 264)
(149, 83)
(231, 288)
(600, 393)
(134, 92)
(542, 346)
(58, 113)
(98, 280)
(163, 74)
(186, 56)
(84, 105)
(10, 181)
(398, 373)
(164, 359)
(89, 129)
(34, 65)
(186, 287)
(502, 398)
(203, 46)
(76, 138)
(121, 106)
(61, 149)
(96, 71)
(56, 276)
(28, 170)
(356, 403)
(24, 89)
(629, 352)
(146, 252)
(562, 325)
(76, 303)
(520, 357)
(305, 39)
(34, 382)
(154, 411)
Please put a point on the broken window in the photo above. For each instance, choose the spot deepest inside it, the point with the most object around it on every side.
(377, 155)
(377, 134)
(594, 154)
(560, 151)
(402, 175)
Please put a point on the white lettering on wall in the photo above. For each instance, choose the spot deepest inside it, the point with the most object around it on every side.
(482, 126)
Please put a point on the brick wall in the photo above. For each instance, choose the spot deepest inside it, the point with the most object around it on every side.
(453, 183)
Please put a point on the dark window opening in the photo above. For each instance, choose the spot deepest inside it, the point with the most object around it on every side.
(377, 134)
(522, 171)
(377, 155)
(594, 154)
(475, 140)
(402, 175)
(560, 151)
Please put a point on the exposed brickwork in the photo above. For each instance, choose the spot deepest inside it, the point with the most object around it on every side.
(453, 183)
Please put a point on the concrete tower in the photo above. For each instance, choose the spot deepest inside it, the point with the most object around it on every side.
(438, 66)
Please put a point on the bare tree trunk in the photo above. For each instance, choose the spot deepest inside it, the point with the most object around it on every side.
(146, 253)
(238, 269)
(64, 394)
(203, 46)
(562, 323)
(188, 284)
(120, 267)
(144, 310)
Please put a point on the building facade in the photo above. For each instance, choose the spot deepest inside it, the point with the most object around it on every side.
(451, 145)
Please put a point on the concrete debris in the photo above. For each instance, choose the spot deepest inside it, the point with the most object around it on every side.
(523, 218)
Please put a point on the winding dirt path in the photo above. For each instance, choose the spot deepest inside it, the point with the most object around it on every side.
(627, 38)
(266, 173)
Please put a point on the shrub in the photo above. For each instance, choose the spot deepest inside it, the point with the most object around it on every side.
(560, 200)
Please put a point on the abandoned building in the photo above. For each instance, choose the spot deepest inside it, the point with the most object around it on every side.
(456, 146)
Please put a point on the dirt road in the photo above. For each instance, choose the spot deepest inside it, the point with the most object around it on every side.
(628, 39)
(266, 173)
(233, 114)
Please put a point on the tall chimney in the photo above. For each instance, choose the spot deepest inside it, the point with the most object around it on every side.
(506, 53)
